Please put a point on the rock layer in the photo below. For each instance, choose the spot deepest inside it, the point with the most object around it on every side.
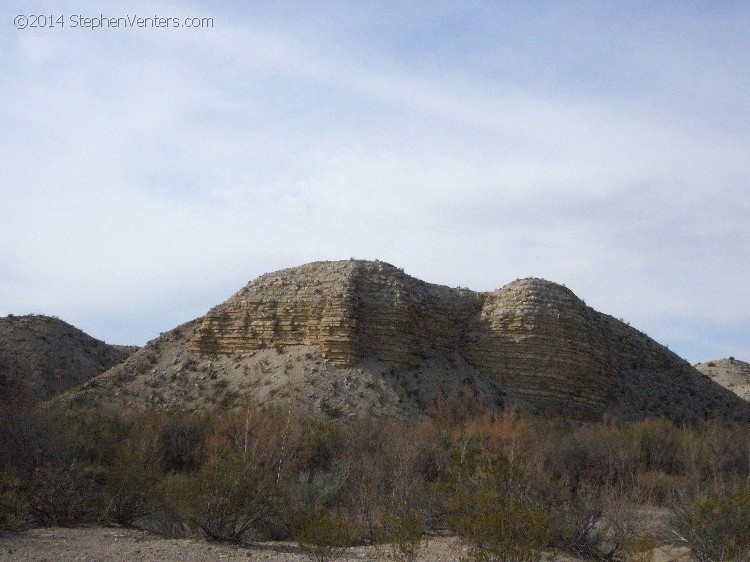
(533, 338)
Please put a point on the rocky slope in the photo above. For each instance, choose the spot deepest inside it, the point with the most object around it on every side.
(45, 356)
(730, 373)
(343, 337)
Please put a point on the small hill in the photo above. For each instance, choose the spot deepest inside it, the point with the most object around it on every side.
(45, 356)
(349, 336)
(729, 373)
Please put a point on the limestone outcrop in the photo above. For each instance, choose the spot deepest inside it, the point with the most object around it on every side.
(351, 310)
(535, 340)
(730, 373)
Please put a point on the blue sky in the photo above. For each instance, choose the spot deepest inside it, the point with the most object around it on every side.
(147, 174)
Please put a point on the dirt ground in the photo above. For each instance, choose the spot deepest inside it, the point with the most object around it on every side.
(109, 544)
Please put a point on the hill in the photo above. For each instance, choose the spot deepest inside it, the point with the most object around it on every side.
(45, 356)
(730, 373)
(349, 336)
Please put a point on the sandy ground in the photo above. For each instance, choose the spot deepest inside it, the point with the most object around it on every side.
(108, 544)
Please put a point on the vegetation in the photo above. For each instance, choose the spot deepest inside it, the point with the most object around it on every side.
(716, 525)
(510, 486)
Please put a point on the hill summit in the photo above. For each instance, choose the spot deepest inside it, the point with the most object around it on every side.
(347, 336)
(730, 373)
(44, 356)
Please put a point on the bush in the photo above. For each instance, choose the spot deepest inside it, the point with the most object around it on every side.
(182, 442)
(169, 516)
(505, 531)
(658, 488)
(229, 497)
(403, 533)
(658, 445)
(133, 479)
(494, 508)
(324, 536)
(14, 505)
(316, 490)
(66, 494)
(716, 526)
(580, 526)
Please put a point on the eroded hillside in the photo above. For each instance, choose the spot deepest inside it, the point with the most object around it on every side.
(46, 356)
(348, 336)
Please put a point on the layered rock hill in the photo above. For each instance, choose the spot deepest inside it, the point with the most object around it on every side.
(45, 356)
(730, 373)
(345, 336)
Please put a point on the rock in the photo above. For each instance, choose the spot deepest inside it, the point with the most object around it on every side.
(731, 373)
(535, 339)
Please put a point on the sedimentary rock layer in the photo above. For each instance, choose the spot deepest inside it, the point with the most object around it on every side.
(549, 351)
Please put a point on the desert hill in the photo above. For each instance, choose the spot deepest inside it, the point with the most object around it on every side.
(46, 356)
(730, 373)
(343, 337)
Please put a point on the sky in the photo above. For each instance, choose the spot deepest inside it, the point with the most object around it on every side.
(148, 173)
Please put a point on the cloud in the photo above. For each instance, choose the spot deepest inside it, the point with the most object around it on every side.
(148, 174)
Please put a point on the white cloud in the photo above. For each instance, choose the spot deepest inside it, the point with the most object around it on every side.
(148, 174)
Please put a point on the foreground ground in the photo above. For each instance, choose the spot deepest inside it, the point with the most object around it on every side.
(109, 544)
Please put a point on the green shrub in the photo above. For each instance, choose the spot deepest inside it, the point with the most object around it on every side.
(403, 533)
(496, 510)
(505, 531)
(133, 479)
(716, 526)
(230, 497)
(324, 536)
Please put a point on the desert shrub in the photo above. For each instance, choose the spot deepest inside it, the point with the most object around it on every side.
(726, 452)
(317, 490)
(230, 497)
(656, 487)
(639, 547)
(19, 433)
(716, 526)
(495, 508)
(133, 478)
(507, 531)
(56, 464)
(592, 456)
(169, 516)
(66, 493)
(657, 443)
(580, 525)
(14, 505)
(182, 440)
(403, 533)
(593, 526)
(324, 536)
(327, 444)
(92, 435)
(384, 461)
